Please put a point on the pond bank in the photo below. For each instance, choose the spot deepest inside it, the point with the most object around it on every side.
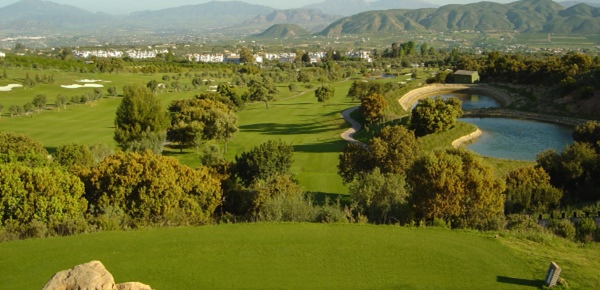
(464, 139)
(409, 99)
(513, 114)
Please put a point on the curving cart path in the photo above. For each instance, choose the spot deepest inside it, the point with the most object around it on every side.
(347, 135)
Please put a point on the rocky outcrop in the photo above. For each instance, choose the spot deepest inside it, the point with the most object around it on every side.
(89, 276)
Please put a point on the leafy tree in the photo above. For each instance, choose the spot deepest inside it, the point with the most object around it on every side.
(305, 76)
(40, 102)
(306, 58)
(261, 91)
(359, 90)
(246, 56)
(196, 120)
(152, 86)
(279, 186)
(112, 91)
(372, 107)
(293, 87)
(228, 92)
(435, 115)
(575, 170)
(324, 93)
(100, 151)
(61, 100)
(140, 122)
(14, 110)
(380, 197)
(1, 108)
(18, 144)
(264, 162)
(45, 195)
(28, 108)
(152, 189)
(528, 190)
(588, 133)
(392, 150)
(456, 186)
(354, 160)
(71, 155)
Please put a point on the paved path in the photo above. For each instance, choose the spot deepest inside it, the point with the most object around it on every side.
(347, 135)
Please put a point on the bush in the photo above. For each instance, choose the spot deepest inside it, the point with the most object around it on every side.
(331, 213)
(281, 208)
(586, 228)
(563, 228)
(522, 223)
(439, 223)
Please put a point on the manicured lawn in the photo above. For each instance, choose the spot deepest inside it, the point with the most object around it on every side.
(280, 256)
(312, 128)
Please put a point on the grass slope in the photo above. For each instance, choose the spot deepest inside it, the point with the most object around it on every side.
(297, 118)
(279, 256)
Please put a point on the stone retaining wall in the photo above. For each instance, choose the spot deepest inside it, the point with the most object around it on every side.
(409, 99)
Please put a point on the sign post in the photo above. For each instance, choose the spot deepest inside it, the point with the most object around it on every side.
(552, 275)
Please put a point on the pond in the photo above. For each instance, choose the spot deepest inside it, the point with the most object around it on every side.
(511, 138)
(517, 139)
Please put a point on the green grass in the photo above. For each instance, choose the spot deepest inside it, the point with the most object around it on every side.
(312, 128)
(287, 256)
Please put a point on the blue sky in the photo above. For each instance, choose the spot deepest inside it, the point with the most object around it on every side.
(125, 6)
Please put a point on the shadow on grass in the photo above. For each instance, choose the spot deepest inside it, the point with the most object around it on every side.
(331, 146)
(521, 282)
(285, 129)
(319, 198)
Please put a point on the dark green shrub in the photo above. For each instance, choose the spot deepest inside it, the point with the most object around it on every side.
(522, 223)
(586, 228)
(562, 228)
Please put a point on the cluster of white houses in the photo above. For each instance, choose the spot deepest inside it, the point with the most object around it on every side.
(135, 54)
(284, 57)
(2, 54)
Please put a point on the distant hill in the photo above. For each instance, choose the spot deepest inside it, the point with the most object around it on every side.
(211, 15)
(351, 7)
(525, 16)
(39, 16)
(568, 4)
(284, 31)
(312, 19)
(36, 16)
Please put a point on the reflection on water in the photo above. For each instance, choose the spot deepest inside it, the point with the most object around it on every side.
(518, 139)
(471, 101)
(511, 138)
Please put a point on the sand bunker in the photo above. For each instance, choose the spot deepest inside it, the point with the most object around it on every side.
(10, 87)
(84, 86)
(89, 81)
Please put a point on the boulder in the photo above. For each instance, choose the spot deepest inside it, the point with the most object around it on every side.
(133, 286)
(89, 276)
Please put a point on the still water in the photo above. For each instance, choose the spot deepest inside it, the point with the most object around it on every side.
(511, 138)
(517, 139)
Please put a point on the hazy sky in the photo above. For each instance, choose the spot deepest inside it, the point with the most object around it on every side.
(127, 6)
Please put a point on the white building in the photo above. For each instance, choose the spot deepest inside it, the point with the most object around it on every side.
(2, 54)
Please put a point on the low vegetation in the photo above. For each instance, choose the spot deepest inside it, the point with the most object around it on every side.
(254, 145)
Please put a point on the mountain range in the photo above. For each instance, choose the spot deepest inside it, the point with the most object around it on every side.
(237, 18)
(525, 16)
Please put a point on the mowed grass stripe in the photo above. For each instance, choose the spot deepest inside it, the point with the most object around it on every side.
(275, 256)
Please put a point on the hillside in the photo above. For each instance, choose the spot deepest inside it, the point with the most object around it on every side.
(524, 16)
(351, 7)
(284, 31)
(39, 16)
(311, 19)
